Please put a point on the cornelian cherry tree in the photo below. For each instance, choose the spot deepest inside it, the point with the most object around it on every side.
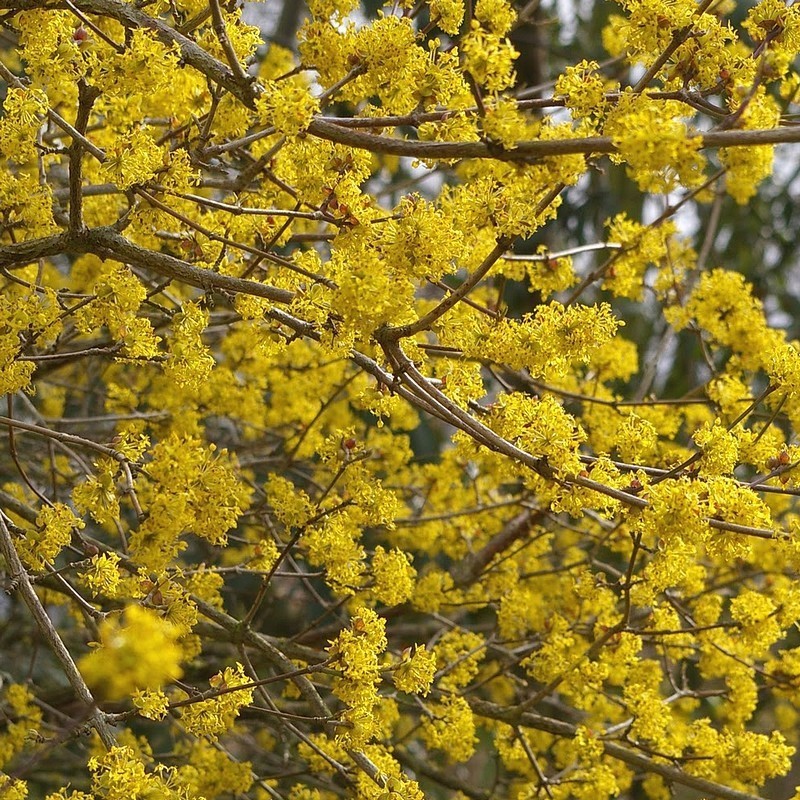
(347, 451)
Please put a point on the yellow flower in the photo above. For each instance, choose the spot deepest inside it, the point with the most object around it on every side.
(582, 89)
(459, 652)
(55, 525)
(288, 105)
(720, 448)
(121, 774)
(137, 650)
(489, 58)
(151, 704)
(394, 576)
(23, 716)
(746, 167)
(415, 672)
(217, 715)
(133, 159)
(656, 164)
(355, 653)
(496, 15)
(12, 789)
(103, 577)
(449, 14)
(451, 728)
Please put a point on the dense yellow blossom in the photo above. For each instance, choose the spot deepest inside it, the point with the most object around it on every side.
(137, 650)
(582, 88)
(288, 106)
(489, 57)
(356, 653)
(393, 575)
(745, 170)
(209, 772)
(416, 670)
(121, 773)
(449, 14)
(23, 110)
(54, 527)
(451, 728)
(103, 574)
(548, 342)
(133, 159)
(315, 383)
(460, 652)
(151, 704)
(23, 717)
(720, 448)
(657, 165)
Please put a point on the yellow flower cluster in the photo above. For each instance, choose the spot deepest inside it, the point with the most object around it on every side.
(189, 363)
(118, 296)
(189, 487)
(137, 650)
(217, 715)
(642, 697)
(291, 504)
(449, 14)
(757, 618)
(356, 654)
(133, 159)
(54, 527)
(549, 341)
(503, 124)
(131, 80)
(151, 703)
(23, 313)
(52, 55)
(489, 56)
(776, 26)
(720, 448)
(722, 304)
(23, 716)
(335, 544)
(98, 493)
(641, 245)
(582, 88)
(657, 164)
(13, 789)
(121, 774)
(451, 728)
(784, 369)
(546, 275)
(414, 674)
(747, 167)
(207, 771)
(393, 575)
(23, 110)
(752, 758)
(460, 653)
(636, 439)
(557, 653)
(541, 427)
(287, 105)
(420, 243)
(103, 577)
(27, 205)
(651, 33)
(244, 39)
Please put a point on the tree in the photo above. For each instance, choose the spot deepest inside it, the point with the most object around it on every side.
(384, 421)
